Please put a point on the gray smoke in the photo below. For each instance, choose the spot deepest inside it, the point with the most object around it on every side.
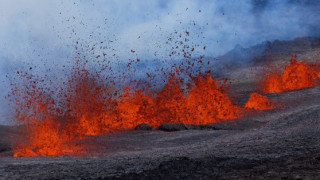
(45, 32)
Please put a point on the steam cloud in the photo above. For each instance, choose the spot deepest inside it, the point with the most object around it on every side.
(45, 32)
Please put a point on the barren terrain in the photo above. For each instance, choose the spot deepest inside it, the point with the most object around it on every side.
(276, 144)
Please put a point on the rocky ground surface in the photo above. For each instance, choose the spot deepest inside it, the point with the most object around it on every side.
(276, 144)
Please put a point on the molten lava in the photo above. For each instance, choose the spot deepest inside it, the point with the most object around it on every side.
(47, 139)
(295, 75)
(259, 102)
(87, 107)
(207, 102)
(56, 119)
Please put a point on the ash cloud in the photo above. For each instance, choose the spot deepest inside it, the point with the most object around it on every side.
(45, 32)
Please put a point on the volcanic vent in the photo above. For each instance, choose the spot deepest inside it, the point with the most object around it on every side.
(88, 107)
(91, 115)
(155, 90)
(56, 119)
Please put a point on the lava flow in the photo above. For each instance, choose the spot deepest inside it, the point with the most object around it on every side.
(55, 121)
(295, 75)
(260, 102)
(57, 118)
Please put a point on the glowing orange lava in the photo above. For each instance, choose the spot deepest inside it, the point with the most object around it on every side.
(47, 139)
(87, 108)
(207, 102)
(260, 102)
(56, 120)
(295, 75)
(204, 103)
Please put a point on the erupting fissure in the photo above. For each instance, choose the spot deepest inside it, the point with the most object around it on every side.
(295, 75)
(56, 121)
(87, 107)
(260, 102)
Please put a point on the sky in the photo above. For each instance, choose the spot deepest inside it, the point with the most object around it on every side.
(46, 32)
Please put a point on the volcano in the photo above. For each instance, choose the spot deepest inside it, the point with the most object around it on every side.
(211, 128)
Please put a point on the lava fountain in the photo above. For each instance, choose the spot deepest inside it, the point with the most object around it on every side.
(56, 120)
(259, 102)
(295, 75)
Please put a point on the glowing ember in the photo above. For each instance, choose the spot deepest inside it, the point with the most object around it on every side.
(260, 102)
(205, 102)
(132, 109)
(47, 139)
(88, 103)
(208, 102)
(295, 75)
(87, 108)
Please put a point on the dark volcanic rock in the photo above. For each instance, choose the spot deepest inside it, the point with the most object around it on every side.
(240, 124)
(143, 127)
(259, 54)
(173, 127)
(202, 127)
(277, 144)
(4, 148)
(290, 167)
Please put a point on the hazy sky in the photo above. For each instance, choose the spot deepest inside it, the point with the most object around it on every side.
(37, 31)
